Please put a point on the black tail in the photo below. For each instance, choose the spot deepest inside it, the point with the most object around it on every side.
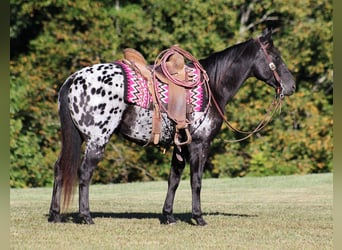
(71, 145)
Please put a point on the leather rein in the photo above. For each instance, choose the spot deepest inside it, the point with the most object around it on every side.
(274, 106)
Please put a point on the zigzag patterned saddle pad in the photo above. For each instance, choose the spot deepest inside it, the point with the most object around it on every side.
(137, 93)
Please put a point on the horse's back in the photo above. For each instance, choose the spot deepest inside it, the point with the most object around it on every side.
(96, 100)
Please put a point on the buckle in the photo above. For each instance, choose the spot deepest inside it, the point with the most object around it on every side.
(272, 66)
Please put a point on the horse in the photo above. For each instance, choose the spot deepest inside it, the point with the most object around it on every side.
(92, 108)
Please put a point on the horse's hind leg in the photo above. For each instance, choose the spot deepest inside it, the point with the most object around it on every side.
(91, 158)
(54, 214)
(178, 164)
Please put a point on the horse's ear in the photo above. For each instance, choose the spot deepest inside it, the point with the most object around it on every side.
(266, 36)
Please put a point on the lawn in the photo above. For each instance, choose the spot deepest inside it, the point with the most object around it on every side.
(285, 212)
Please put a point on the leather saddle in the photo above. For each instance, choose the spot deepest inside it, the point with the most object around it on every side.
(172, 71)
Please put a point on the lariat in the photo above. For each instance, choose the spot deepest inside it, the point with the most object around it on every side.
(161, 60)
(163, 57)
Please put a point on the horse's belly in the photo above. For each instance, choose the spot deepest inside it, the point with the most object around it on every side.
(137, 126)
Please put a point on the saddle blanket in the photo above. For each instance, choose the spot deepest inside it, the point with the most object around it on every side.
(137, 93)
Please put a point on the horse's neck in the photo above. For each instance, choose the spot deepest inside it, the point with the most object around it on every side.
(227, 72)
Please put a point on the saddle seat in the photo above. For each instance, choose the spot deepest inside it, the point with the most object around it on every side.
(175, 66)
(173, 70)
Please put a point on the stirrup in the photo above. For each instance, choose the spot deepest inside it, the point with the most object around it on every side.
(188, 137)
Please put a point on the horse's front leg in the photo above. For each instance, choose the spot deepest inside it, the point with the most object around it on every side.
(198, 157)
(177, 166)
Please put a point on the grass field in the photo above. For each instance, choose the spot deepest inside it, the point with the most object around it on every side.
(288, 212)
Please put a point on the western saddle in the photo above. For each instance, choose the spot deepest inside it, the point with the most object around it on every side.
(171, 70)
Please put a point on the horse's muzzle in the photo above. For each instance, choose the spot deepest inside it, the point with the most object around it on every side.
(286, 89)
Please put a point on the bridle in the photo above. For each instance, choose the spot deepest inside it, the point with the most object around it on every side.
(272, 66)
(274, 106)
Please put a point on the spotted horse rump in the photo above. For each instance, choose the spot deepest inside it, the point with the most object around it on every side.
(96, 100)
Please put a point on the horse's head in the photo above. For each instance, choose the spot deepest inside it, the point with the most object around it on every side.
(270, 67)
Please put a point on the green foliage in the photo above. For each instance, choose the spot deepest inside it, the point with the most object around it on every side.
(52, 39)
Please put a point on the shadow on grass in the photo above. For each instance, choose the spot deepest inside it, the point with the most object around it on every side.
(184, 217)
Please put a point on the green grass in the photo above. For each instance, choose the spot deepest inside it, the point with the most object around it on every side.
(288, 212)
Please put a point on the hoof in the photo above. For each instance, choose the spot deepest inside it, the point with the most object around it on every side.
(200, 221)
(169, 220)
(85, 219)
(54, 218)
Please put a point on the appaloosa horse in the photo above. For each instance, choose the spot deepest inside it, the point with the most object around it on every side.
(92, 107)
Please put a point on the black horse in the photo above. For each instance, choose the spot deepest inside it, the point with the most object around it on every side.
(92, 107)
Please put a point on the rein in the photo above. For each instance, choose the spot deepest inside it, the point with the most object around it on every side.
(274, 106)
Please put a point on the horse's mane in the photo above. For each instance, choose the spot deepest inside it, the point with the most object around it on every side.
(219, 64)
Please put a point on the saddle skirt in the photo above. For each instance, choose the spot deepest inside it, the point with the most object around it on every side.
(136, 90)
